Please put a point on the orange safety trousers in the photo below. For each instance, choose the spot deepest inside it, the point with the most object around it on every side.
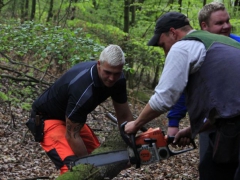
(56, 146)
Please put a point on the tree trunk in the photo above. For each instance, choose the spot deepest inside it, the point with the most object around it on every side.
(1, 5)
(180, 5)
(126, 16)
(156, 76)
(95, 4)
(13, 15)
(50, 11)
(126, 30)
(22, 11)
(133, 13)
(170, 2)
(204, 2)
(129, 75)
(33, 11)
(237, 3)
(56, 15)
(26, 10)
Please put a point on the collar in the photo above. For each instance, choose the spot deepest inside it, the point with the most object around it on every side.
(190, 31)
(95, 77)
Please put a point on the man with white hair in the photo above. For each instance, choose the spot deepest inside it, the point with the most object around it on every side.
(63, 108)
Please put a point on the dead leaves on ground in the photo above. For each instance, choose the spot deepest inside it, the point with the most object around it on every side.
(22, 158)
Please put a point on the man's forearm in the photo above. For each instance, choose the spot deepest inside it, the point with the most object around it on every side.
(74, 139)
(146, 115)
(77, 145)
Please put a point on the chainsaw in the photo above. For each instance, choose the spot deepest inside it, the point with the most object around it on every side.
(146, 148)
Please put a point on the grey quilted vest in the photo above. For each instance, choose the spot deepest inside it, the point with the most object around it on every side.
(214, 90)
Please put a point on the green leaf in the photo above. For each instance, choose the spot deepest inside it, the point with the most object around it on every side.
(3, 96)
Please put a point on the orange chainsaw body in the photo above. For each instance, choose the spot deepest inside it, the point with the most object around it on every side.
(150, 145)
(152, 133)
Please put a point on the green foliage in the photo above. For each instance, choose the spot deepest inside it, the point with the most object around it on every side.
(22, 99)
(142, 96)
(127, 68)
(63, 42)
(100, 33)
(64, 46)
(3, 96)
(103, 12)
(235, 26)
(26, 106)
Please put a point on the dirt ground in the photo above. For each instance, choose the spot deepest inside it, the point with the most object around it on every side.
(22, 158)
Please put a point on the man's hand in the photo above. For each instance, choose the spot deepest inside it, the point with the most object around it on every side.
(172, 131)
(74, 139)
(145, 116)
(183, 137)
(130, 128)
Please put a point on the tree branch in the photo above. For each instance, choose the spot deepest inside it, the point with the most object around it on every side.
(19, 63)
(24, 79)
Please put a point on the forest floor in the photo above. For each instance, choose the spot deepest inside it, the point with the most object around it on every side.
(22, 158)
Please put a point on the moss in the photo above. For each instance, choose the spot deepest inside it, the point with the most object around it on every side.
(83, 171)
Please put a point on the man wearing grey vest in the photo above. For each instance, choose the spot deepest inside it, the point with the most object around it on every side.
(214, 18)
(206, 66)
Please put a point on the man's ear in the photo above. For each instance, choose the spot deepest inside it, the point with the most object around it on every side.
(204, 26)
(176, 33)
(98, 65)
(173, 31)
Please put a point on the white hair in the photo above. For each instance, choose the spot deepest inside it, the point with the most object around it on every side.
(113, 55)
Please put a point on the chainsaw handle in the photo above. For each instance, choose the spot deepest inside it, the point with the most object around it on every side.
(170, 140)
(114, 120)
(134, 147)
(125, 137)
(130, 141)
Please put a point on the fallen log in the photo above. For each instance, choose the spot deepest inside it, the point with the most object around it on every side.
(90, 172)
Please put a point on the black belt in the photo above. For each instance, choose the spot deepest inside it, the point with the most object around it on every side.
(233, 121)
